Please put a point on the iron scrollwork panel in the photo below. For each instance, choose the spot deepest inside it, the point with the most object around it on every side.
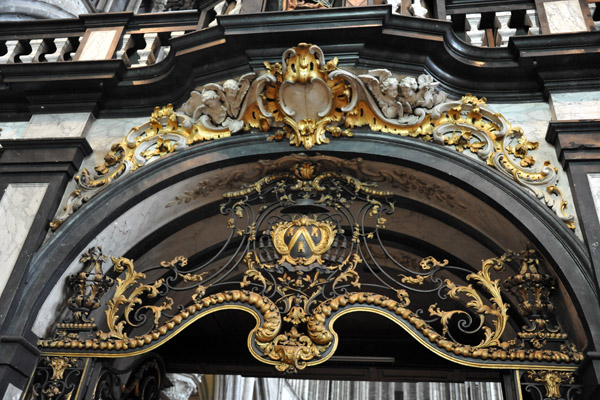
(304, 246)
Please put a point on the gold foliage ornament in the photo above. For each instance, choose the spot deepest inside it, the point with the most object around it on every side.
(56, 377)
(552, 381)
(307, 100)
(165, 133)
(299, 255)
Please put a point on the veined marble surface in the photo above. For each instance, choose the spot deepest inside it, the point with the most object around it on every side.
(98, 45)
(564, 16)
(12, 393)
(594, 180)
(58, 125)
(533, 118)
(18, 208)
(580, 105)
(12, 130)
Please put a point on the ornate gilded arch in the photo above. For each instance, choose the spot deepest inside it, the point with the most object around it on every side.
(309, 242)
(307, 245)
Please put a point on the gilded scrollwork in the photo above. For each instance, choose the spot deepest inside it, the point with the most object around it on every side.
(307, 100)
(55, 378)
(552, 381)
(300, 253)
(165, 132)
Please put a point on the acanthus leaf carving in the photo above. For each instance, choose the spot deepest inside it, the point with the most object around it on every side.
(308, 100)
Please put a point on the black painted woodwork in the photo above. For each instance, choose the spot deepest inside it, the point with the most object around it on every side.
(567, 255)
(52, 161)
(363, 37)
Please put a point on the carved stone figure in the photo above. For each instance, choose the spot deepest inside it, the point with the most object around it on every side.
(217, 106)
(409, 93)
(427, 91)
(419, 95)
(384, 86)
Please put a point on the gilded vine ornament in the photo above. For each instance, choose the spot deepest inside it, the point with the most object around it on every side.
(165, 132)
(308, 100)
(552, 381)
(300, 242)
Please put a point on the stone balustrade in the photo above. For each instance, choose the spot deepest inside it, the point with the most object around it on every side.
(144, 39)
(139, 40)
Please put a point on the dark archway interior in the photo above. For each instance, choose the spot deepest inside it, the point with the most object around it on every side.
(371, 347)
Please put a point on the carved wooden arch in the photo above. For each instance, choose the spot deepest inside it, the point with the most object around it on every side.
(311, 340)
(294, 348)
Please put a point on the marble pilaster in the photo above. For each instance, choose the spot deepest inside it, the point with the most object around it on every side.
(573, 106)
(18, 207)
(594, 180)
(58, 125)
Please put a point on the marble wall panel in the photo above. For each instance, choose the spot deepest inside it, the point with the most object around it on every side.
(12, 393)
(12, 130)
(570, 106)
(594, 180)
(58, 125)
(18, 208)
(564, 16)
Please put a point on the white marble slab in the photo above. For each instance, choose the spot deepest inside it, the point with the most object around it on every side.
(58, 125)
(12, 393)
(98, 45)
(581, 105)
(12, 130)
(18, 208)
(564, 16)
(594, 180)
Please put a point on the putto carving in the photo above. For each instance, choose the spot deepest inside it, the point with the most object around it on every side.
(308, 100)
(218, 106)
(409, 100)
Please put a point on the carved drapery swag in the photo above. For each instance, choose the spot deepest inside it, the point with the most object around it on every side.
(308, 100)
(305, 246)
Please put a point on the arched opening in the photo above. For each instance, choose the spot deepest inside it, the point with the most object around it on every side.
(205, 204)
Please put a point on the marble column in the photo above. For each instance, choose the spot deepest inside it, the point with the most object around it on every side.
(18, 207)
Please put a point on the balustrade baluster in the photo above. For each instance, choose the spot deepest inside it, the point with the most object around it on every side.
(489, 24)
(461, 26)
(519, 20)
(147, 54)
(46, 49)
